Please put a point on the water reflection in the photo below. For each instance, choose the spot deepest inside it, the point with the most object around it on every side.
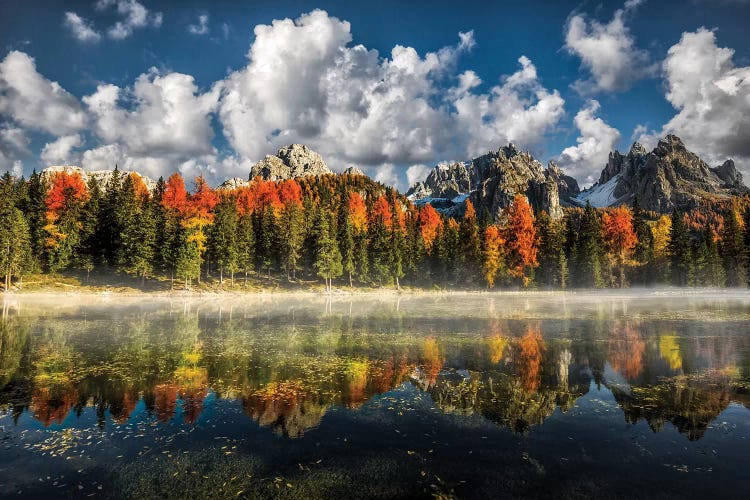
(288, 367)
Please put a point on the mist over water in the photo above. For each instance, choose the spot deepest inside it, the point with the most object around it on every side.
(618, 394)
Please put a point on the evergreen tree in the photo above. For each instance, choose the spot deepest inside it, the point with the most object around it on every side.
(266, 240)
(90, 254)
(346, 239)
(327, 257)
(380, 242)
(245, 244)
(644, 248)
(110, 225)
(471, 244)
(733, 250)
(34, 209)
(553, 264)
(223, 238)
(15, 239)
(678, 250)
(291, 238)
(398, 245)
(588, 251)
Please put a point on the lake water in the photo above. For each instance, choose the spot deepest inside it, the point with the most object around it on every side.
(468, 396)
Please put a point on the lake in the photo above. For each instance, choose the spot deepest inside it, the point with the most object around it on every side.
(640, 394)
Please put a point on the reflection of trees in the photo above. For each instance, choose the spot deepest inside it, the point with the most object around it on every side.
(287, 407)
(626, 349)
(530, 359)
(690, 402)
(288, 372)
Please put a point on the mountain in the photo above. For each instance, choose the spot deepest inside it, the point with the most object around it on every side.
(292, 161)
(102, 176)
(491, 182)
(666, 178)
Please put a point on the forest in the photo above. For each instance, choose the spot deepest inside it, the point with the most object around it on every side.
(350, 231)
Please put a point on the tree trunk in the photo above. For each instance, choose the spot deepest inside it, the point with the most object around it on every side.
(351, 284)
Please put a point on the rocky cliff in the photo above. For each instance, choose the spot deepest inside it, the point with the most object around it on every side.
(491, 182)
(292, 161)
(668, 177)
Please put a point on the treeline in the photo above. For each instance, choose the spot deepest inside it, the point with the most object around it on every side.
(350, 230)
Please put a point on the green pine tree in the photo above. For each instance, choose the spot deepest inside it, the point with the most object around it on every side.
(679, 250)
(327, 257)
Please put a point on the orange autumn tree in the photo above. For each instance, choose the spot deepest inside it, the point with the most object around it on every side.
(619, 237)
(357, 212)
(493, 254)
(430, 223)
(521, 239)
(64, 205)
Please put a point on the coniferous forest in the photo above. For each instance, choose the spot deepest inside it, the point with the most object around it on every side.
(350, 231)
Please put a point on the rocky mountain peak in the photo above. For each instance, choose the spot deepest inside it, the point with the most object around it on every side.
(491, 181)
(670, 176)
(295, 160)
(353, 171)
(637, 149)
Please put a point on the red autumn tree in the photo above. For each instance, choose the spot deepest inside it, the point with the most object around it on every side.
(175, 196)
(204, 199)
(65, 188)
(619, 237)
(429, 225)
(521, 239)
(381, 211)
(290, 193)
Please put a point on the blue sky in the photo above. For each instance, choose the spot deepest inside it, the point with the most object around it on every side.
(392, 87)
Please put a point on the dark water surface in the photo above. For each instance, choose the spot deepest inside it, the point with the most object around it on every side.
(484, 396)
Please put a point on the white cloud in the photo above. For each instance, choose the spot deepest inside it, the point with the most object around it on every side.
(416, 173)
(201, 28)
(133, 16)
(607, 51)
(81, 29)
(14, 144)
(305, 83)
(586, 160)
(712, 99)
(157, 125)
(35, 102)
(60, 151)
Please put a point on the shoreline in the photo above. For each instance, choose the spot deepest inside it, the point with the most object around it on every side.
(609, 293)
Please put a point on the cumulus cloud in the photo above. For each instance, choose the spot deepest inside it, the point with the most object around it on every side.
(586, 160)
(60, 151)
(14, 144)
(158, 124)
(133, 16)
(712, 98)
(304, 82)
(201, 28)
(608, 51)
(416, 173)
(81, 29)
(33, 101)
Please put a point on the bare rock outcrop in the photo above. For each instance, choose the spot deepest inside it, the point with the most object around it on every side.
(290, 162)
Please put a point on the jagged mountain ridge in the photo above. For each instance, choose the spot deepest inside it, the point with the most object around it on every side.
(666, 178)
(491, 181)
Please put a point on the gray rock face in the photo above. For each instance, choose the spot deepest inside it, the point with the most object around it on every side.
(668, 177)
(492, 181)
(567, 186)
(729, 174)
(292, 161)
(102, 176)
(233, 183)
(353, 171)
